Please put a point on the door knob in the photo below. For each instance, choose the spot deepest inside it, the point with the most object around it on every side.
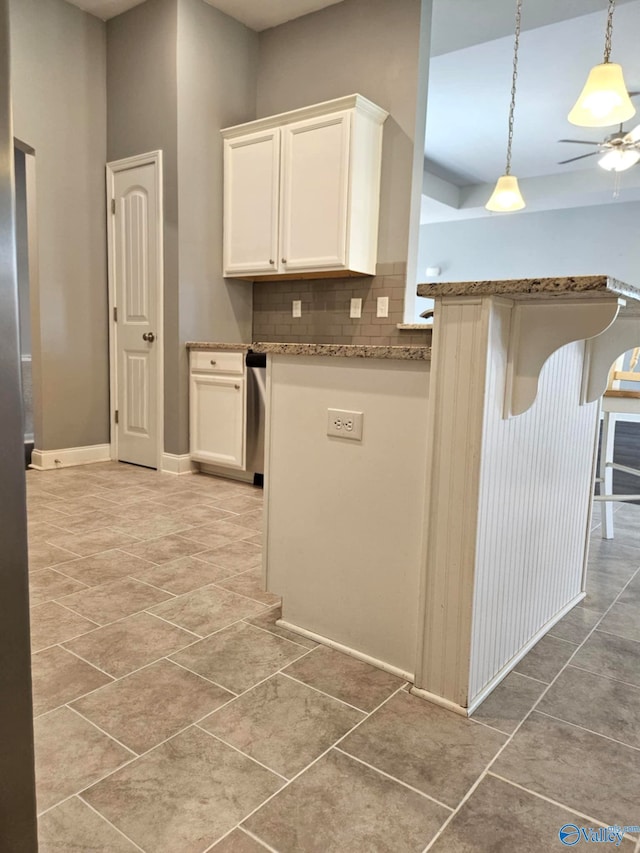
(149, 336)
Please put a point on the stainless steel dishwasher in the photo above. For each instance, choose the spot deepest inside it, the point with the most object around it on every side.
(256, 396)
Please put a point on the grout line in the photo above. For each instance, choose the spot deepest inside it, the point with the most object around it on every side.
(273, 633)
(608, 677)
(174, 625)
(102, 731)
(321, 692)
(233, 694)
(530, 677)
(239, 751)
(112, 825)
(394, 779)
(487, 726)
(585, 729)
(258, 840)
(158, 588)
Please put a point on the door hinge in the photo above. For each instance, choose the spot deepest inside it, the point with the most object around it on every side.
(117, 418)
(113, 205)
(115, 314)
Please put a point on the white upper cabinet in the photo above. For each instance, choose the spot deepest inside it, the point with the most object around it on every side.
(302, 192)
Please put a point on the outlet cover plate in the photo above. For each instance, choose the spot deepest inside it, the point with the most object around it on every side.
(356, 309)
(296, 308)
(345, 424)
(383, 306)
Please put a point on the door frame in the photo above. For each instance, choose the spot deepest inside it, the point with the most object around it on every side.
(153, 158)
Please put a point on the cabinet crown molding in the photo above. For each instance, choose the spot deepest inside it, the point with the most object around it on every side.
(348, 102)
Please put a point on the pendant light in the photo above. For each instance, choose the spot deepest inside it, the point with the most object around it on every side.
(604, 99)
(506, 196)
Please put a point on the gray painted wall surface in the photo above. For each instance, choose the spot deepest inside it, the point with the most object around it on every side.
(580, 241)
(142, 117)
(59, 67)
(365, 46)
(22, 252)
(18, 830)
(217, 64)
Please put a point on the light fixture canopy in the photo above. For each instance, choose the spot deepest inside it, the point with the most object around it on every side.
(506, 196)
(604, 99)
(619, 160)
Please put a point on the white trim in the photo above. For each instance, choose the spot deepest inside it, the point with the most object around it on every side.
(173, 464)
(347, 650)
(152, 158)
(46, 460)
(227, 473)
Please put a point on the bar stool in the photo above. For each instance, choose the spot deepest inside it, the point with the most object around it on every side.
(616, 401)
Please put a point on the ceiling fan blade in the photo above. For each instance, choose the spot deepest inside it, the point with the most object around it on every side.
(580, 141)
(581, 157)
(633, 135)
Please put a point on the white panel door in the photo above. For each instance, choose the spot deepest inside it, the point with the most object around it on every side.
(217, 420)
(251, 191)
(315, 170)
(135, 248)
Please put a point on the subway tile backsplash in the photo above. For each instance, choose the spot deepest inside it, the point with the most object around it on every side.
(325, 311)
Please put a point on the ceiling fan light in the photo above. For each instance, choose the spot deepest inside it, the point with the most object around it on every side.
(619, 161)
(506, 196)
(604, 100)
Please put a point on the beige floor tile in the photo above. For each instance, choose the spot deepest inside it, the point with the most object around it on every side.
(283, 724)
(601, 592)
(239, 656)
(73, 827)
(612, 656)
(587, 773)
(267, 621)
(251, 520)
(599, 704)
(180, 499)
(51, 624)
(150, 528)
(184, 795)
(251, 585)
(130, 644)
(153, 704)
(237, 557)
(104, 568)
(71, 754)
(86, 544)
(84, 523)
(623, 620)
(258, 539)
(207, 610)
(239, 503)
(197, 515)
(183, 575)
(45, 514)
(434, 750)
(48, 584)
(546, 658)
(346, 678)
(509, 703)
(59, 677)
(92, 503)
(340, 805)
(115, 600)
(165, 549)
(238, 842)
(576, 625)
(501, 817)
(207, 536)
(42, 555)
(41, 531)
(228, 529)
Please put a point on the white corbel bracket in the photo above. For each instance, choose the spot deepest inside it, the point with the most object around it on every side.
(541, 327)
(600, 353)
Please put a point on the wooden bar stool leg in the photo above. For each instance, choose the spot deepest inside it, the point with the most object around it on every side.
(606, 472)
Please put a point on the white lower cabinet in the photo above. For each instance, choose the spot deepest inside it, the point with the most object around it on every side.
(217, 409)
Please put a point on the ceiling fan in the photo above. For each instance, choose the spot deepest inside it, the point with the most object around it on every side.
(619, 151)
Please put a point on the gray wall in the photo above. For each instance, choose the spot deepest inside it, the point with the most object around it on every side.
(22, 252)
(59, 67)
(365, 46)
(18, 830)
(142, 116)
(579, 241)
(217, 63)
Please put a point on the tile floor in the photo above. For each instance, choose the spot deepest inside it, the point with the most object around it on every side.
(174, 716)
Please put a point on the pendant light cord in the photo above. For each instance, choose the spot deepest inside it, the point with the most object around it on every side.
(514, 80)
(609, 32)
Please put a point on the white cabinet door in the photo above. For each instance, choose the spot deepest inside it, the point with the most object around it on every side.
(217, 420)
(315, 193)
(251, 192)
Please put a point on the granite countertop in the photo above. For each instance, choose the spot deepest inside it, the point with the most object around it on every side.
(218, 346)
(587, 286)
(406, 353)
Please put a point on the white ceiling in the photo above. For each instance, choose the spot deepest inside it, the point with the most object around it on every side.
(468, 102)
(256, 14)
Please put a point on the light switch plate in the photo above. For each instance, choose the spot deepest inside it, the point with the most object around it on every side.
(296, 308)
(383, 306)
(356, 309)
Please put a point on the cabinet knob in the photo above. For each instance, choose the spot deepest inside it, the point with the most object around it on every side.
(284, 260)
(237, 387)
(213, 363)
(271, 261)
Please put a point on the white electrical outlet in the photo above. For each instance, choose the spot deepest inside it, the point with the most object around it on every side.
(356, 309)
(383, 306)
(344, 424)
(296, 308)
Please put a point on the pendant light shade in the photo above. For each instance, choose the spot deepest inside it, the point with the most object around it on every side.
(604, 100)
(619, 160)
(506, 196)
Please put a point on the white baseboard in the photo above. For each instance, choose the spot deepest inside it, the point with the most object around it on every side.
(173, 463)
(227, 473)
(47, 460)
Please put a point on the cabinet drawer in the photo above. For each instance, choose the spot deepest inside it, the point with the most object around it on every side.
(217, 362)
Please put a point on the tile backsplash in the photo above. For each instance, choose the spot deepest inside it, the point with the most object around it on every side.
(325, 310)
